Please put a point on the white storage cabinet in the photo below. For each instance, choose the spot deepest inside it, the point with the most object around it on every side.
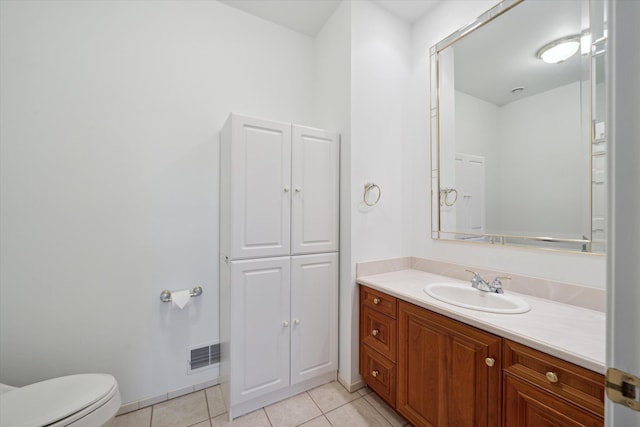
(279, 188)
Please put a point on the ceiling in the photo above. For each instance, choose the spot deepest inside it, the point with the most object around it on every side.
(309, 16)
(511, 43)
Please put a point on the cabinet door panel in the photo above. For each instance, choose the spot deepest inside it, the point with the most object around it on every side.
(259, 327)
(467, 383)
(314, 315)
(315, 179)
(443, 378)
(525, 405)
(421, 359)
(260, 189)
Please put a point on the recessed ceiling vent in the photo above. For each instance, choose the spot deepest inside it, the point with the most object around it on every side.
(203, 357)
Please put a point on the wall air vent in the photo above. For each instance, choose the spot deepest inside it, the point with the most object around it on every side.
(203, 357)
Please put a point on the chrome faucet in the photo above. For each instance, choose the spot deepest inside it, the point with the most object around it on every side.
(482, 285)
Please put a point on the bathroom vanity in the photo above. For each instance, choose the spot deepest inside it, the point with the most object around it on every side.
(438, 364)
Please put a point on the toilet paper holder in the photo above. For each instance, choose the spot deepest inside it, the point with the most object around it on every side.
(165, 296)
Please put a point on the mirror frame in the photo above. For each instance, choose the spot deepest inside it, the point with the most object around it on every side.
(534, 242)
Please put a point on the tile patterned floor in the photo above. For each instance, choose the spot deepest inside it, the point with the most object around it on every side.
(330, 405)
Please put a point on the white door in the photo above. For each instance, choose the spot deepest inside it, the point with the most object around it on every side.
(315, 179)
(623, 238)
(260, 189)
(470, 210)
(260, 329)
(314, 315)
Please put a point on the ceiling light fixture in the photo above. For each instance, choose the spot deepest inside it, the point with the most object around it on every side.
(559, 50)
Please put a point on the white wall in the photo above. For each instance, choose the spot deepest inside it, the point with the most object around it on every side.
(333, 111)
(380, 68)
(540, 138)
(110, 113)
(583, 269)
(535, 139)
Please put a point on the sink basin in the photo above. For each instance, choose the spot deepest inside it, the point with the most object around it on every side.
(468, 297)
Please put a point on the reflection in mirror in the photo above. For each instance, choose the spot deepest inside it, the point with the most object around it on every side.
(513, 131)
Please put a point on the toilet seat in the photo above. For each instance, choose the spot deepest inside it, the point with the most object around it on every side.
(86, 399)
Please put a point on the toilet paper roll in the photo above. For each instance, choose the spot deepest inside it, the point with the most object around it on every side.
(181, 298)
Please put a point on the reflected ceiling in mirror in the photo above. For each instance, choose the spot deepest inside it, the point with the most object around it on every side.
(512, 135)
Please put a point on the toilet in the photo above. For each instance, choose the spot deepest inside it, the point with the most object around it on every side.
(85, 400)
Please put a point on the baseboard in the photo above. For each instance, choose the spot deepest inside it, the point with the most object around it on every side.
(149, 401)
(351, 387)
(240, 409)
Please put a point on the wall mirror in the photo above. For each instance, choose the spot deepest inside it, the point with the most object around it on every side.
(518, 143)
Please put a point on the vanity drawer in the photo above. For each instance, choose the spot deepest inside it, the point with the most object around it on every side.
(577, 385)
(379, 373)
(379, 332)
(378, 301)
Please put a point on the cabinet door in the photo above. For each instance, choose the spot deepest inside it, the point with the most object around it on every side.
(315, 178)
(526, 405)
(260, 188)
(443, 376)
(314, 315)
(260, 329)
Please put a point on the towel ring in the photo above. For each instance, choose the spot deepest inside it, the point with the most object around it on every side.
(444, 196)
(368, 187)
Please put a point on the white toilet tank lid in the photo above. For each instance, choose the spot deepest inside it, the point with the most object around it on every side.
(52, 400)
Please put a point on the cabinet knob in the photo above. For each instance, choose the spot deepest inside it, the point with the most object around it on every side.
(490, 361)
(297, 321)
(286, 189)
(552, 377)
(376, 301)
(374, 373)
(298, 189)
(375, 332)
(285, 323)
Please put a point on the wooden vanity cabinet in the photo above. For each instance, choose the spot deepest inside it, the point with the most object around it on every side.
(542, 390)
(449, 373)
(436, 372)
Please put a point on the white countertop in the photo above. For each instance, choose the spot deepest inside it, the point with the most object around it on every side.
(568, 332)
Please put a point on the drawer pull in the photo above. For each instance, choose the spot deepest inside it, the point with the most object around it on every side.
(375, 332)
(490, 361)
(552, 377)
(376, 301)
(374, 373)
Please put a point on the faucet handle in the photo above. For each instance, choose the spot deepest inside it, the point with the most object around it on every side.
(478, 282)
(472, 272)
(496, 284)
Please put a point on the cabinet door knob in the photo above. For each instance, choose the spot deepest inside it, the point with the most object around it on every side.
(490, 361)
(286, 189)
(298, 189)
(285, 323)
(375, 332)
(552, 377)
(297, 321)
(376, 301)
(374, 373)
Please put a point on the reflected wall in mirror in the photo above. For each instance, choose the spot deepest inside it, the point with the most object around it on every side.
(518, 144)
